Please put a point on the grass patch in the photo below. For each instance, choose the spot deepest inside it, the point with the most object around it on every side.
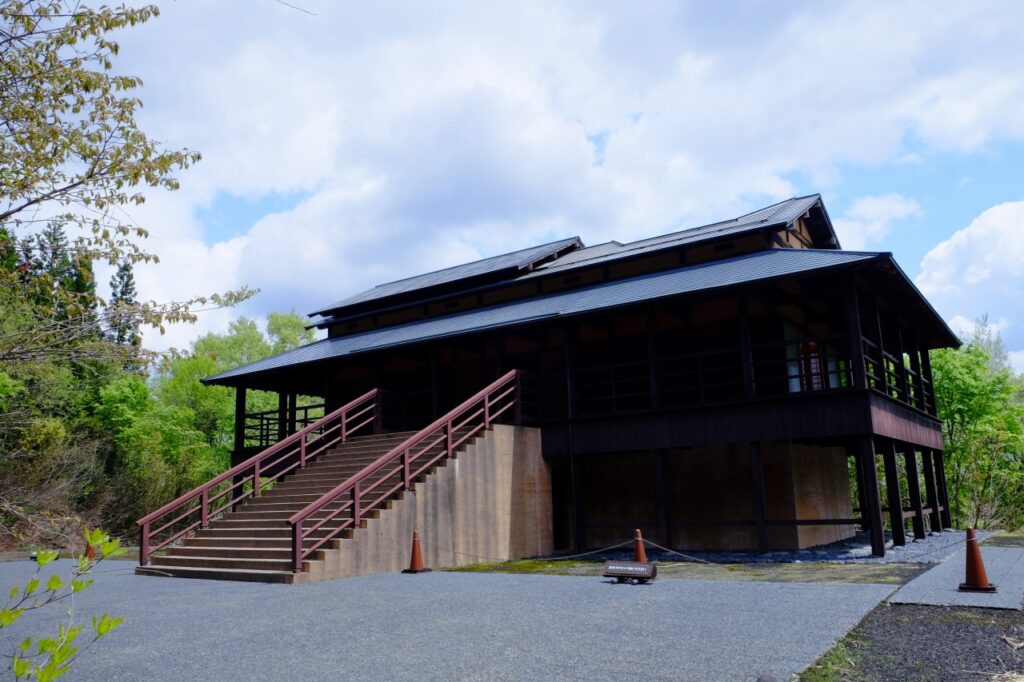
(807, 572)
(838, 663)
(1006, 539)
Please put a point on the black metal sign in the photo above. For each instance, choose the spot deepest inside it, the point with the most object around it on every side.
(630, 570)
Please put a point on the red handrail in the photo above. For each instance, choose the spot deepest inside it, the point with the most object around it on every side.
(330, 429)
(458, 426)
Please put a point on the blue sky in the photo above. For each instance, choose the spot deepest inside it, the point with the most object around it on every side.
(349, 144)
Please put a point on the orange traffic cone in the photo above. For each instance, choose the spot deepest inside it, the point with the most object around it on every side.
(977, 580)
(416, 560)
(639, 554)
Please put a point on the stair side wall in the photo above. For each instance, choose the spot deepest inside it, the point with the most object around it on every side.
(490, 503)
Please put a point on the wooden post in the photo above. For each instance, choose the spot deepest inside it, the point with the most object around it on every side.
(282, 416)
(746, 355)
(915, 366)
(661, 486)
(238, 456)
(945, 517)
(892, 492)
(929, 485)
(862, 501)
(866, 463)
(855, 336)
(914, 487)
(575, 475)
(926, 374)
(239, 423)
(881, 345)
(293, 412)
(757, 480)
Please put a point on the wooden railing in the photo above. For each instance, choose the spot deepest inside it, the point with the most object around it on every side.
(398, 469)
(195, 509)
(264, 429)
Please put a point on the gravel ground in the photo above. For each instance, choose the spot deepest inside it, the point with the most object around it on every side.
(455, 626)
(904, 642)
(933, 549)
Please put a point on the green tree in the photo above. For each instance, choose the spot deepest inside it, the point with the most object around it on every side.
(71, 157)
(983, 422)
(124, 323)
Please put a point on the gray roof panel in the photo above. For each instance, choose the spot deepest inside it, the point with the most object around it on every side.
(746, 268)
(781, 213)
(517, 260)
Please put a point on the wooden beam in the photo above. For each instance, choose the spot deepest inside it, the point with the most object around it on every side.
(929, 484)
(892, 491)
(757, 480)
(914, 487)
(866, 463)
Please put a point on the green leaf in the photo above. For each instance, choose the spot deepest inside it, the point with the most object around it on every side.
(26, 644)
(31, 586)
(14, 592)
(105, 624)
(80, 584)
(8, 616)
(54, 583)
(20, 667)
(44, 556)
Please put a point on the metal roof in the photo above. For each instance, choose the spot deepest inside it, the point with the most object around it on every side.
(782, 213)
(746, 268)
(517, 260)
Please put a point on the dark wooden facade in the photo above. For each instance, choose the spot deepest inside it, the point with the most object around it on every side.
(828, 359)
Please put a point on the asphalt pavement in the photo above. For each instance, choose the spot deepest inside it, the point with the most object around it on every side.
(452, 626)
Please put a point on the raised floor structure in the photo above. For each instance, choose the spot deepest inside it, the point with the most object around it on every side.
(744, 385)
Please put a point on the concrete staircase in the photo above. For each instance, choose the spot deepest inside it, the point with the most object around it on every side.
(254, 542)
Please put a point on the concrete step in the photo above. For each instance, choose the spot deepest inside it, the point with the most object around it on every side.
(262, 531)
(245, 574)
(283, 564)
(232, 551)
(282, 542)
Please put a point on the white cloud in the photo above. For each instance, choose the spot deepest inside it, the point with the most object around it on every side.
(1016, 358)
(868, 220)
(980, 270)
(425, 135)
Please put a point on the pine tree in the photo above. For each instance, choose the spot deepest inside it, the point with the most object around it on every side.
(124, 324)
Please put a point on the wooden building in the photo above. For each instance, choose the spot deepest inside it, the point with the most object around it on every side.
(741, 385)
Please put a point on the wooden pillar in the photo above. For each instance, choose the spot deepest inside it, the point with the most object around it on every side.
(239, 423)
(881, 345)
(914, 488)
(926, 373)
(575, 473)
(866, 463)
(901, 367)
(282, 416)
(293, 412)
(757, 481)
(661, 488)
(929, 484)
(855, 336)
(435, 408)
(915, 366)
(652, 363)
(862, 502)
(746, 355)
(892, 492)
(945, 517)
